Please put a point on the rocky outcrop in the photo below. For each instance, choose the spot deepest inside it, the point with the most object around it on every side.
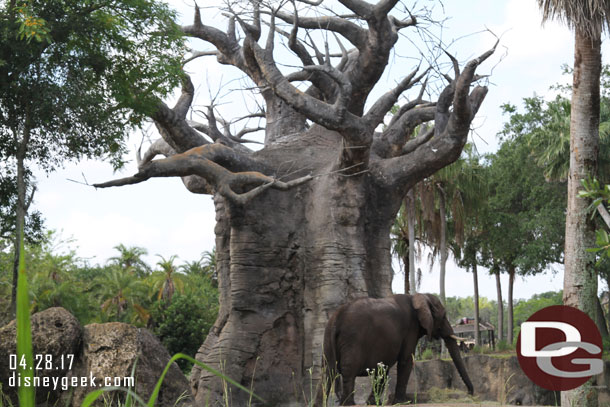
(86, 359)
(109, 353)
(56, 338)
(495, 378)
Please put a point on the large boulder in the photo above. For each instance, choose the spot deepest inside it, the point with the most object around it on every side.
(56, 340)
(109, 354)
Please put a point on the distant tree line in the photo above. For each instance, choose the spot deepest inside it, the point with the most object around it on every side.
(177, 302)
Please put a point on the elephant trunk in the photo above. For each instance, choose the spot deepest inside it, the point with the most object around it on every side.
(454, 351)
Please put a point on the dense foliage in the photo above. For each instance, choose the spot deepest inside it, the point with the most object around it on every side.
(75, 77)
(117, 291)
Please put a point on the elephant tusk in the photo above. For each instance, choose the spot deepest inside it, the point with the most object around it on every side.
(457, 338)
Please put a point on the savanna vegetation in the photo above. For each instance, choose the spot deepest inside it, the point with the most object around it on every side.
(178, 301)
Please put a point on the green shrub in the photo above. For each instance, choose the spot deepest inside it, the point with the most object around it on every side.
(183, 324)
(481, 349)
(504, 345)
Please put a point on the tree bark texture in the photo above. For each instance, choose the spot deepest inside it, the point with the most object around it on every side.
(580, 279)
(281, 276)
(511, 284)
(410, 204)
(477, 331)
(443, 243)
(303, 225)
(500, 326)
(407, 285)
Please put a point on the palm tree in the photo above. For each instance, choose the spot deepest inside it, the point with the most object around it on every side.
(472, 185)
(121, 294)
(209, 265)
(588, 19)
(168, 279)
(130, 259)
(406, 232)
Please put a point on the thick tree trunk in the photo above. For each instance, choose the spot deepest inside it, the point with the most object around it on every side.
(500, 304)
(580, 279)
(600, 319)
(407, 286)
(442, 244)
(477, 332)
(286, 262)
(410, 203)
(511, 283)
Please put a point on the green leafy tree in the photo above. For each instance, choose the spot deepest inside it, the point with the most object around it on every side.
(524, 217)
(546, 127)
(183, 324)
(525, 308)
(75, 76)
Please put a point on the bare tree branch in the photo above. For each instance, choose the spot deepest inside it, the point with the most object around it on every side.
(186, 97)
(352, 32)
(197, 162)
(199, 54)
(450, 133)
(158, 147)
(225, 43)
(333, 116)
(359, 7)
(400, 24)
(422, 138)
(383, 105)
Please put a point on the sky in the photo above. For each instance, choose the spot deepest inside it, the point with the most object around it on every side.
(161, 216)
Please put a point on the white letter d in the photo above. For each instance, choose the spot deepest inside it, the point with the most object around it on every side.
(528, 338)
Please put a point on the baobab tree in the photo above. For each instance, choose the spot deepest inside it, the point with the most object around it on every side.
(303, 224)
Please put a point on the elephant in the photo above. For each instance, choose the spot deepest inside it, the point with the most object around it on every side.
(367, 331)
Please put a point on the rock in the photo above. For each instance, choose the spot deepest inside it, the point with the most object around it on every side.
(110, 351)
(56, 334)
(494, 378)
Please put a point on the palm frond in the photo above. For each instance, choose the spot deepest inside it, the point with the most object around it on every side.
(589, 16)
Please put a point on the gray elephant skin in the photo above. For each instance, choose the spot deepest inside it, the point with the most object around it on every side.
(367, 331)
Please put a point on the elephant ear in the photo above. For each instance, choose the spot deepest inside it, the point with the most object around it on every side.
(421, 305)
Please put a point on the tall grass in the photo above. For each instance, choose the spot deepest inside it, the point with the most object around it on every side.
(94, 395)
(27, 395)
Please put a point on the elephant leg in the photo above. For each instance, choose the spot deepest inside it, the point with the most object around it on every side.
(404, 371)
(347, 392)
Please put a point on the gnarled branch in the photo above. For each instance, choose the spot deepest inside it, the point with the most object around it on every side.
(205, 161)
(453, 114)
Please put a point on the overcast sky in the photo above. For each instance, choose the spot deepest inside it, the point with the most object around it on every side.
(163, 217)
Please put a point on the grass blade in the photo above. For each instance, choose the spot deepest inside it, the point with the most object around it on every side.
(155, 394)
(94, 395)
(27, 395)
